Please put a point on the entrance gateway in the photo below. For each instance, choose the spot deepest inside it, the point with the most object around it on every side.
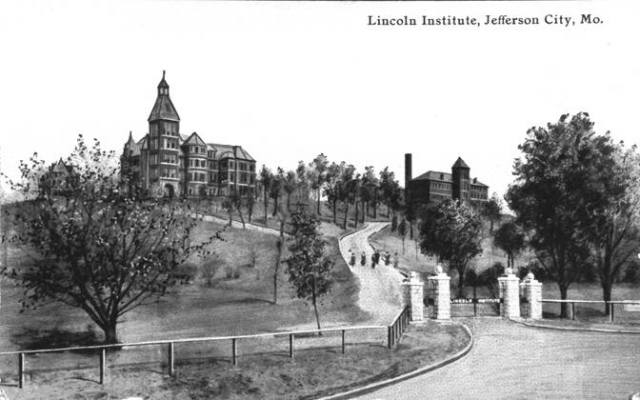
(510, 287)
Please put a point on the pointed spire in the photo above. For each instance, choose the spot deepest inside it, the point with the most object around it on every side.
(163, 86)
(163, 108)
(460, 163)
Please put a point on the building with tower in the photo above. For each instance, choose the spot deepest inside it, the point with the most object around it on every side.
(166, 162)
(435, 186)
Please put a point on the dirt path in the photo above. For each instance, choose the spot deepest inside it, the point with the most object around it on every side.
(237, 224)
(511, 361)
(380, 287)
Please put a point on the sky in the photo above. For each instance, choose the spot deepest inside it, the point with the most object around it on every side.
(290, 80)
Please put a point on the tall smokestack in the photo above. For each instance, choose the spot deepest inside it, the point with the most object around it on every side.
(407, 168)
(407, 175)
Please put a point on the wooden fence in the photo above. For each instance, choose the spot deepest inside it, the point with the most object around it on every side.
(394, 333)
(609, 304)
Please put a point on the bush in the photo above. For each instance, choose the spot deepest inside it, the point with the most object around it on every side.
(253, 255)
(631, 273)
(186, 272)
(232, 272)
(209, 269)
(536, 269)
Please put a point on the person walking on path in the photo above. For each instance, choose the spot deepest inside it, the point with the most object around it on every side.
(352, 260)
(387, 258)
(396, 261)
(363, 259)
(373, 260)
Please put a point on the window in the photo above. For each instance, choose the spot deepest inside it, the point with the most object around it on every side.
(252, 168)
(243, 177)
(232, 176)
(231, 165)
(169, 158)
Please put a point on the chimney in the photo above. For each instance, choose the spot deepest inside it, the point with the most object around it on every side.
(407, 169)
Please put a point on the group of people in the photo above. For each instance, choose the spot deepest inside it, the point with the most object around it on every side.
(375, 259)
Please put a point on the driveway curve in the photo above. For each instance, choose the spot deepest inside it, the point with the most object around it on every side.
(380, 287)
(512, 361)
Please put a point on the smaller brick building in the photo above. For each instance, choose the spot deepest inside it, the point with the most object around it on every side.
(435, 186)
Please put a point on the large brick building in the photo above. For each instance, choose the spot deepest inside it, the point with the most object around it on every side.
(167, 162)
(434, 186)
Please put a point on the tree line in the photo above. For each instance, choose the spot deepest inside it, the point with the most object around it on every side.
(576, 200)
(345, 191)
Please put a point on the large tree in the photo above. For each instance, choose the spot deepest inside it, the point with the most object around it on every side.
(452, 231)
(308, 266)
(510, 238)
(615, 226)
(563, 180)
(92, 247)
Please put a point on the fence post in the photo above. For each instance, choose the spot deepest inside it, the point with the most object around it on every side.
(573, 311)
(389, 344)
(475, 302)
(611, 308)
(171, 360)
(103, 365)
(234, 351)
(343, 331)
(20, 370)
(291, 345)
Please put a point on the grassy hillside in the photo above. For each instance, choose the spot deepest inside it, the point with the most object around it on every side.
(411, 259)
(238, 300)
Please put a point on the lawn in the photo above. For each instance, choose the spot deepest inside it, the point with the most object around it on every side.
(239, 301)
(313, 373)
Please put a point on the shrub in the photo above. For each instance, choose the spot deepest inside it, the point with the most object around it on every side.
(253, 255)
(537, 270)
(631, 273)
(186, 272)
(209, 269)
(232, 272)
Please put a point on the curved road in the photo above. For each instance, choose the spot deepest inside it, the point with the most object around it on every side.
(511, 361)
(380, 287)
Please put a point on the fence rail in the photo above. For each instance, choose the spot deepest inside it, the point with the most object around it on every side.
(397, 328)
(394, 332)
(610, 304)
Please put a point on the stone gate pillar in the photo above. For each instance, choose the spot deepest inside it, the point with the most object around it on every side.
(510, 293)
(414, 296)
(532, 292)
(441, 295)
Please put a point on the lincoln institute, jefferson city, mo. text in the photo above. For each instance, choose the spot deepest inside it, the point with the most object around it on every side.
(450, 20)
